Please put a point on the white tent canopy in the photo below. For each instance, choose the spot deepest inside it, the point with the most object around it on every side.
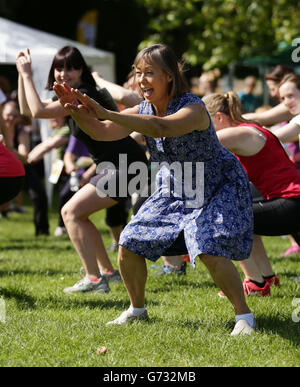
(15, 37)
(43, 46)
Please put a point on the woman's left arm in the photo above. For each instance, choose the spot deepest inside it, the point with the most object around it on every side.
(288, 133)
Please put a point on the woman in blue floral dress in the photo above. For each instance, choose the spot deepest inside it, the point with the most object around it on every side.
(202, 198)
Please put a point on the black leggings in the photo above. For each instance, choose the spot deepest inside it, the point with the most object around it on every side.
(277, 217)
(10, 187)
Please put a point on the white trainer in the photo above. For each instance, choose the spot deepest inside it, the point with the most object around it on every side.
(127, 318)
(242, 327)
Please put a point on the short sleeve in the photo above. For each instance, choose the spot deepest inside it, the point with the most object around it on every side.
(295, 120)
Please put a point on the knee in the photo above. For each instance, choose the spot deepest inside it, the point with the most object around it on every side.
(126, 257)
(68, 213)
(212, 262)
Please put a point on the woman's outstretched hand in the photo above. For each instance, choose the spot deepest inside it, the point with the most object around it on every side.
(69, 100)
(94, 107)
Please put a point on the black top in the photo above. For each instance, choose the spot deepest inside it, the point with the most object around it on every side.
(101, 151)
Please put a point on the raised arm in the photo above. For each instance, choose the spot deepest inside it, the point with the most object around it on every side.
(120, 94)
(30, 102)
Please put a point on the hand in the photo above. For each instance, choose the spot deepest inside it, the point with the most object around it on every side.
(91, 105)
(24, 63)
(65, 95)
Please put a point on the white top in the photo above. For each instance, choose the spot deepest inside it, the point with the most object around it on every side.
(2, 97)
(295, 120)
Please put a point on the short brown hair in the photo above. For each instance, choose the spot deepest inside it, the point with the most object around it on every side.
(165, 58)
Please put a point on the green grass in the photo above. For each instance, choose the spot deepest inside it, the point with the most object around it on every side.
(189, 326)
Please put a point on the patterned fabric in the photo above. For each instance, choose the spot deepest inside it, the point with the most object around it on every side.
(219, 222)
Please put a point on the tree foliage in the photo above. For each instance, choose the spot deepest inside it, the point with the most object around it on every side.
(213, 33)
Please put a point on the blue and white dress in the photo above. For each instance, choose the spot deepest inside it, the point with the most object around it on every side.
(204, 199)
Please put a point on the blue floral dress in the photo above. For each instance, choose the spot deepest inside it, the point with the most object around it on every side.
(202, 200)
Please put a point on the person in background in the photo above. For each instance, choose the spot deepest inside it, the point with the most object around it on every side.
(69, 66)
(273, 80)
(272, 173)
(18, 141)
(250, 101)
(11, 174)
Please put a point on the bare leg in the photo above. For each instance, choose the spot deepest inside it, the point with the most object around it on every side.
(227, 278)
(133, 270)
(115, 233)
(258, 265)
(83, 234)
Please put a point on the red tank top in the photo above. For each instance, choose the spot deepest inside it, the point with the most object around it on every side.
(271, 171)
(10, 165)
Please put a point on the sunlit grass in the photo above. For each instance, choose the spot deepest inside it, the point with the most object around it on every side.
(189, 324)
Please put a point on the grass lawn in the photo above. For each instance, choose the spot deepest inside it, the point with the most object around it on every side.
(190, 325)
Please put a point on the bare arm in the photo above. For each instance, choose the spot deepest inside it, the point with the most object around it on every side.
(120, 94)
(29, 99)
(288, 133)
(119, 125)
(242, 140)
(24, 108)
(46, 146)
(271, 117)
(69, 160)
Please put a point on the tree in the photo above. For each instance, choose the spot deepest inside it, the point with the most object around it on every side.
(214, 33)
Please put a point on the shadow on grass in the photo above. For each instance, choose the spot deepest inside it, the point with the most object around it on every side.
(284, 328)
(45, 273)
(22, 299)
(26, 302)
(168, 286)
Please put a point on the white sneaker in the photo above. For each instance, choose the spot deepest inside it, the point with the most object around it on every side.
(127, 318)
(87, 286)
(60, 231)
(242, 327)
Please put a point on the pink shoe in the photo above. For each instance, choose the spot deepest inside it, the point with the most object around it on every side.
(295, 249)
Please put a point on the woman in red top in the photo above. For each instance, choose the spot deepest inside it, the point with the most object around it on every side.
(271, 172)
(11, 175)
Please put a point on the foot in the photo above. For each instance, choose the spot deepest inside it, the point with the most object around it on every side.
(275, 281)
(251, 289)
(242, 327)
(113, 277)
(161, 270)
(87, 286)
(113, 248)
(295, 249)
(60, 231)
(128, 318)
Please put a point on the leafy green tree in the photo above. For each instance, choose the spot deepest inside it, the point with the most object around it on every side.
(213, 33)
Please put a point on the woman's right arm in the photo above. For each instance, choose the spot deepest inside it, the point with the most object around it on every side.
(120, 94)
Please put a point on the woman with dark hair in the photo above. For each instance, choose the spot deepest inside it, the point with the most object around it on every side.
(214, 213)
(70, 67)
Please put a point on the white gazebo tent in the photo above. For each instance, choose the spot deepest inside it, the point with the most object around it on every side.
(43, 46)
